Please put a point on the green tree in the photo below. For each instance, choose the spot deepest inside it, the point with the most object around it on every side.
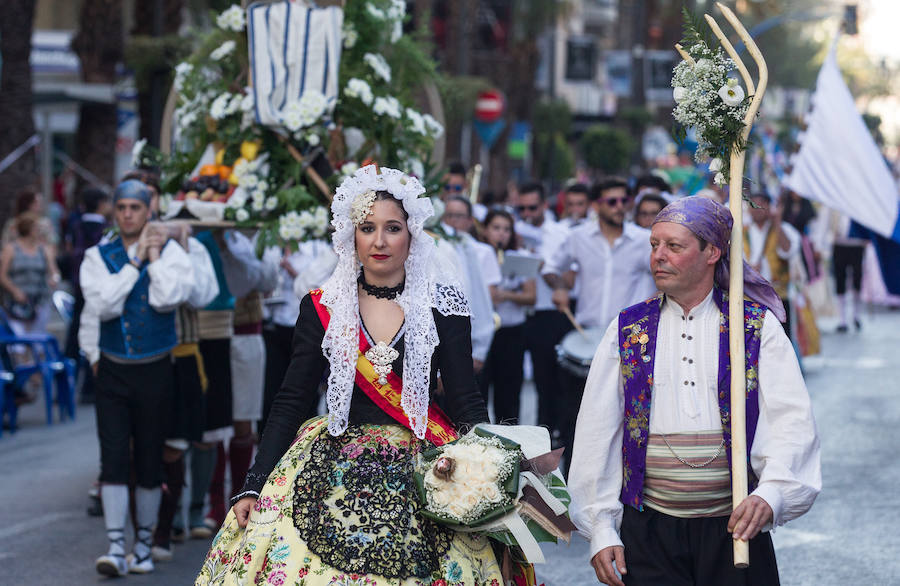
(553, 157)
(607, 149)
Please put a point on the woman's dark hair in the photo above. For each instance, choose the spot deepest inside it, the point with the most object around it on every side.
(25, 199)
(387, 196)
(25, 224)
(497, 213)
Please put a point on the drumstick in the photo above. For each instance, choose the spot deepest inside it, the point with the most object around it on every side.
(568, 314)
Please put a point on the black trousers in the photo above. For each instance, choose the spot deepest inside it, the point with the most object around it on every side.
(847, 257)
(503, 371)
(787, 319)
(543, 331)
(188, 419)
(217, 363)
(661, 550)
(133, 407)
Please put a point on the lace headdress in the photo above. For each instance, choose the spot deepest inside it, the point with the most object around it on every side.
(430, 283)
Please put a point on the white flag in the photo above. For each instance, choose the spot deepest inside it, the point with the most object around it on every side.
(839, 163)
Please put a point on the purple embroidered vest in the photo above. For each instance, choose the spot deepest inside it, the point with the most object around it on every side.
(638, 325)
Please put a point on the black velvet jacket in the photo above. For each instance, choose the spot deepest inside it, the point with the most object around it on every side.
(462, 400)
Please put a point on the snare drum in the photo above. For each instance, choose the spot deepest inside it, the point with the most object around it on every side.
(576, 350)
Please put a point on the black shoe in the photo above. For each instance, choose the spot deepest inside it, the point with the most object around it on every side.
(857, 324)
(842, 329)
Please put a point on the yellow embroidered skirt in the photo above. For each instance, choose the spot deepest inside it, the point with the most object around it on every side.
(343, 511)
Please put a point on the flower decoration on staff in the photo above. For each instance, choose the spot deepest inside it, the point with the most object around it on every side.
(708, 99)
(508, 490)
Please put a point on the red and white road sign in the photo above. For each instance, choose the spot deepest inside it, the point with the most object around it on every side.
(489, 106)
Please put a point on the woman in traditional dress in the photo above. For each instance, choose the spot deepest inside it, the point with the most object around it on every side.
(334, 503)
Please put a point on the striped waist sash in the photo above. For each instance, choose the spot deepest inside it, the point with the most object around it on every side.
(677, 489)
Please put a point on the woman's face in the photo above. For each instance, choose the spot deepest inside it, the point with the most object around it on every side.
(37, 206)
(498, 232)
(382, 240)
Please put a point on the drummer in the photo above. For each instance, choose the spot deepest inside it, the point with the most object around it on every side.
(611, 259)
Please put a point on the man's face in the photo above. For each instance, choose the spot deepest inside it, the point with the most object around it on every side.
(456, 215)
(131, 216)
(531, 208)
(576, 205)
(611, 206)
(454, 184)
(761, 213)
(678, 265)
(646, 213)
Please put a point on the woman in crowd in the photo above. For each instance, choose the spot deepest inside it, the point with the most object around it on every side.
(27, 274)
(503, 368)
(332, 500)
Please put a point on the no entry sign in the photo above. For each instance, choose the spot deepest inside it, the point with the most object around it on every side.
(489, 106)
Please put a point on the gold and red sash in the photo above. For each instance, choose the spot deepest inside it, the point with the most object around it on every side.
(438, 429)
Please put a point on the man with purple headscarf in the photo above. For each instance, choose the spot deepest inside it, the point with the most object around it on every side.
(651, 482)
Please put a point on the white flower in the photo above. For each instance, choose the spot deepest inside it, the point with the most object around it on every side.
(719, 179)
(248, 102)
(313, 139)
(262, 186)
(241, 168)
(375, 11)
(136, 151)
(434, 127)
(350, 35)
(679, 94)
(232, 19)
(236, 201)
(357, 88)
(242, 215)
(257, 205)
(416, 168)
(182, 70)
(417, 121)
(715, 165)
(223, 50)
(349, 168)
(271, 203)
(248, 181)
(389, 106)
(702, 66)
(397, 10)
(378, 65)
(304, 112)
(220, 106)
(731, 93)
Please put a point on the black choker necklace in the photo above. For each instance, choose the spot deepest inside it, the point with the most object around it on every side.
(380, 292)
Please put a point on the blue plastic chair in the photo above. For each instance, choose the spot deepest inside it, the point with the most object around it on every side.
(55, 369)
(7, 395)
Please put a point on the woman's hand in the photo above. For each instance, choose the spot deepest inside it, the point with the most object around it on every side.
(242, 510)
(19, 295)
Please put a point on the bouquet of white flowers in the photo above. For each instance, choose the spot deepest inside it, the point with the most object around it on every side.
(708, 99)
(488, 483)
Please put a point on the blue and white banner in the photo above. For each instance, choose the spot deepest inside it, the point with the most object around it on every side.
(293, 49)
(839, 163)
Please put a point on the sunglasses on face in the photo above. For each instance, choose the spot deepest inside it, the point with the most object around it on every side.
(531, 208)
(450, 187)
(614, 201)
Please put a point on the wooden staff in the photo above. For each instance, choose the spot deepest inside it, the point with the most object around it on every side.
(475, 184)
(736, 287)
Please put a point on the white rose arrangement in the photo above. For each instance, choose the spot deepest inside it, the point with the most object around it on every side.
(466, 480)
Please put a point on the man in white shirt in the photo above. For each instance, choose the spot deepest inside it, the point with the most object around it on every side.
(481, 274)
(611, 258)
(135, 282)
(770, 245)
(545, 326)
(650, 481)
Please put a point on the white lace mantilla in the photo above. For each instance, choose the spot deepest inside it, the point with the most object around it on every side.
(431, 282)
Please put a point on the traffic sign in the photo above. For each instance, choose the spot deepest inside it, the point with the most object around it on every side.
(489, 106)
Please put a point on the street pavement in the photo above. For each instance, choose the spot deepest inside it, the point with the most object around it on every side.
(850, 536)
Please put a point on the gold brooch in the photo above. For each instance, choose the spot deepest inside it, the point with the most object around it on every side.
(362, 207)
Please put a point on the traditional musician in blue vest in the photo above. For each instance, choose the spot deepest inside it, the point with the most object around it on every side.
(650, 480)
(134, 282)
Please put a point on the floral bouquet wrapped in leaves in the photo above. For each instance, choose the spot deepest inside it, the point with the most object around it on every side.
(501, 481)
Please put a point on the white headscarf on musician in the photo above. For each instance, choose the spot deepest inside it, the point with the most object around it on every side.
(429, 284)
